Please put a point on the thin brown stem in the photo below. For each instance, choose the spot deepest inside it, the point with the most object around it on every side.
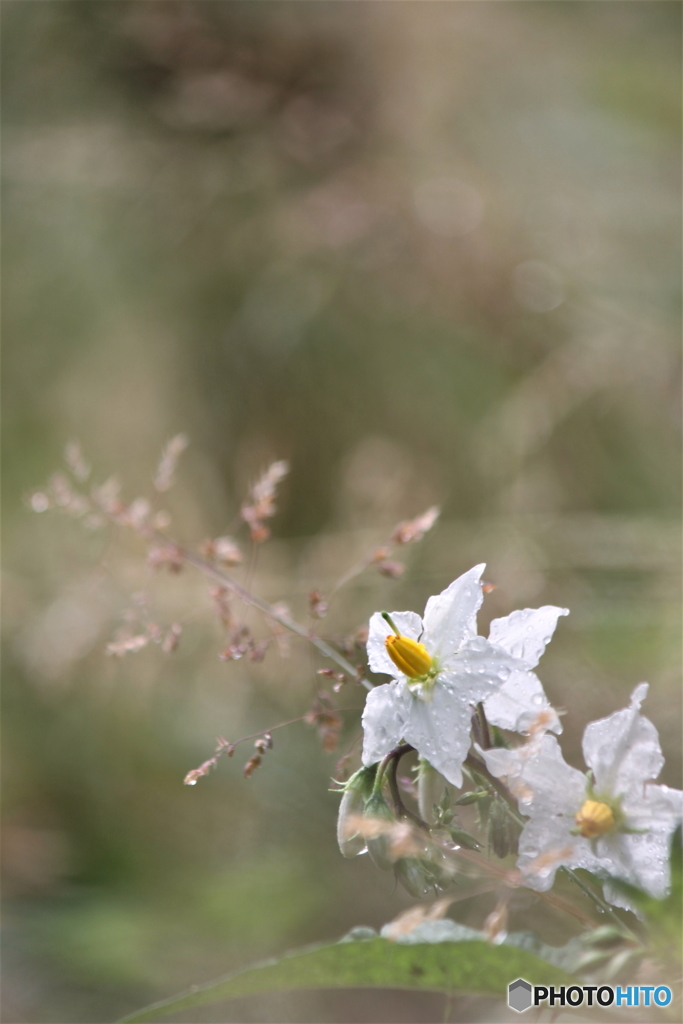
(256, 602)
(280, 725)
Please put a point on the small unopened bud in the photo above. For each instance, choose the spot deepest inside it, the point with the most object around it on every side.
(472, 797)
(259, 533)
(412, 875)
(391, 568)
(197, 773)
(502, 831)
(172, 638)
(251, 765)
(226, 550)
(356, 792)
(416, 528)
(317, 604)
(594, 819)
(430, 788)
(264, 743)
(379, 846)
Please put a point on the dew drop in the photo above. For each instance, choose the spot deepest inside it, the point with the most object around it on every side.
(537, 698)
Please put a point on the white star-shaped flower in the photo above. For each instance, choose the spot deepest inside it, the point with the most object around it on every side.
(441, 668)
(618, 825)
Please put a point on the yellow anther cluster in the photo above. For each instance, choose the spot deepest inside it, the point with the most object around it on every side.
(594, 819)
(409, 656)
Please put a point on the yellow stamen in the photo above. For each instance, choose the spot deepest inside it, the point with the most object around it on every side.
(409, 656)
(595, 819)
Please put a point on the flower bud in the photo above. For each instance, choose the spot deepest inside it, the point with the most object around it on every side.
(412, 875)
(356, 792)
(409, 656)
(430, 789)
(502, 831)
(595, 819)
(377, 812)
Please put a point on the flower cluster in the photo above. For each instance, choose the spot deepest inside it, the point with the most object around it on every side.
(613, 821)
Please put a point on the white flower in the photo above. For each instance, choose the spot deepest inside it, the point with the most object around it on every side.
(617, 825)
(441, 668)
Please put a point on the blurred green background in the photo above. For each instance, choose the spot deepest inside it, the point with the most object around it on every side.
(429, 253)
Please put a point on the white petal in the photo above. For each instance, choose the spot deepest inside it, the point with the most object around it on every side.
(386, 710)
(540, 778)
(440, 730)
(522, 706)
(525, 633)
(478, 669)
(642, 858)
(655, 808)
(451, 617)
(409, 624)
(623, 749)
(546, 844)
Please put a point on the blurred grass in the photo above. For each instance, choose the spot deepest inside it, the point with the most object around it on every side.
(212, 223)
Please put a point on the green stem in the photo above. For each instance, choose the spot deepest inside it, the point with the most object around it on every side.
(399, 807)
(599, 902)
(394, 755)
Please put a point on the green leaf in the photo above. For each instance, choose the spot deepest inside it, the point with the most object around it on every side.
(439, 956)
